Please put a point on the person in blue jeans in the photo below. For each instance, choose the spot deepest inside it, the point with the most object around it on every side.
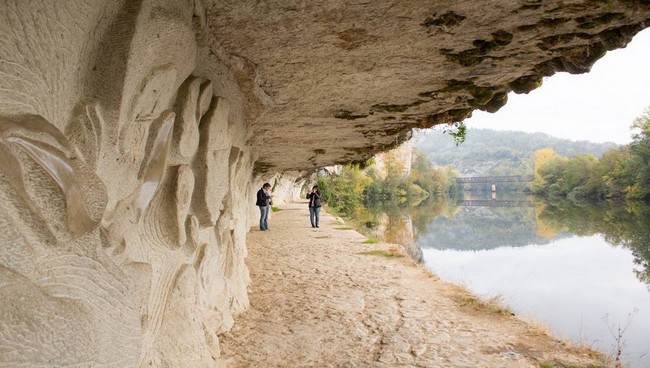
(314, 205)
(264, 203)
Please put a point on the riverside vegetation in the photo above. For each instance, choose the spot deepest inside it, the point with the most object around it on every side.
(581, 188)
(621, 173)
(358, 187)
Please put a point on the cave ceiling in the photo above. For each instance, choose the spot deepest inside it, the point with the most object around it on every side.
(337, 81)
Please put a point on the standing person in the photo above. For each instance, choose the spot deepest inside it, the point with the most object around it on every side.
(314, 205)
(264, 203)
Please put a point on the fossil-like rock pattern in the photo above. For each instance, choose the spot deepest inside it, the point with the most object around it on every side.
(134, 134)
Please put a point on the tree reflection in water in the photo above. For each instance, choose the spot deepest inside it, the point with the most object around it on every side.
(440, 223)
(624, 224)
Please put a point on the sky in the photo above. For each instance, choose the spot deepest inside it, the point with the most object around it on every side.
(598, 106)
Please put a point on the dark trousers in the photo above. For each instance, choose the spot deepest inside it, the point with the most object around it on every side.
(314, 215)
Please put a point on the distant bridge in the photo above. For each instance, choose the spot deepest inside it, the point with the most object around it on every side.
(493, 203)
(496, 179)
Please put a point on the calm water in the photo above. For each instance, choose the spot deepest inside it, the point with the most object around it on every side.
(581, 270)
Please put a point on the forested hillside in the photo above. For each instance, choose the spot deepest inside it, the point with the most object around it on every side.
(490, 152)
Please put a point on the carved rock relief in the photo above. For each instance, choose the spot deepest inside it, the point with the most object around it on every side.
(64, 301)
(165, 229)
(81, 267)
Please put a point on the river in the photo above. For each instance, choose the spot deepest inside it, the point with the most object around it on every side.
(582, 270)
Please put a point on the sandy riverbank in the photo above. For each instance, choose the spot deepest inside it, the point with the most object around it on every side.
(317, 301)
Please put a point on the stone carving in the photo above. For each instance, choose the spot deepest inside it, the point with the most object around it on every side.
(50, 155)
(64, 300)
(126, 130)
(214, 152)
(155, 164)
(84, 132)
(186, 129)
(80, 263)
(158, 226)
(120, 170)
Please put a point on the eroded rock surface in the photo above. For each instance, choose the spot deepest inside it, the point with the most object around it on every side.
(134, 134)
(122, 164)
(345, 79)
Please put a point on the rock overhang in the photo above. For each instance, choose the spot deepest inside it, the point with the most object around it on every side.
(340, 81)
(130, 133)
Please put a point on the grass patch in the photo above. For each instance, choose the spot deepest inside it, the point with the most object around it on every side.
(494, 305)
(274, 209)
(343, 228)
(371, 241)
(466, 300)
(560, 365)
(392, 252)
(382, 253)
(576, 347)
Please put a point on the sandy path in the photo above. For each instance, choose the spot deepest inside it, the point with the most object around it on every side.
(317, 302)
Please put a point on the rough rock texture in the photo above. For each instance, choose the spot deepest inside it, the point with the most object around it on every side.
(123, 164)
(341, 80)
(133, 134)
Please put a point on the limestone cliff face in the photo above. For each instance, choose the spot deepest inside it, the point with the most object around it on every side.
(134, 134)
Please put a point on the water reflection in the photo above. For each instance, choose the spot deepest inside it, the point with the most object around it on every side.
(625, 225)
(580, 287)
(581, 269)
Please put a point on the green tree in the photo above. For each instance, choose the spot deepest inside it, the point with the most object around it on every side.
(641, 149)
(619, 173)
(347, 192)
(579, 179)
(550, 177)
(344, 192)
(614, 169)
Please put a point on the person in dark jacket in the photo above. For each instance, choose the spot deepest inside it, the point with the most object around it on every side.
(314, 205)
(264, 203)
